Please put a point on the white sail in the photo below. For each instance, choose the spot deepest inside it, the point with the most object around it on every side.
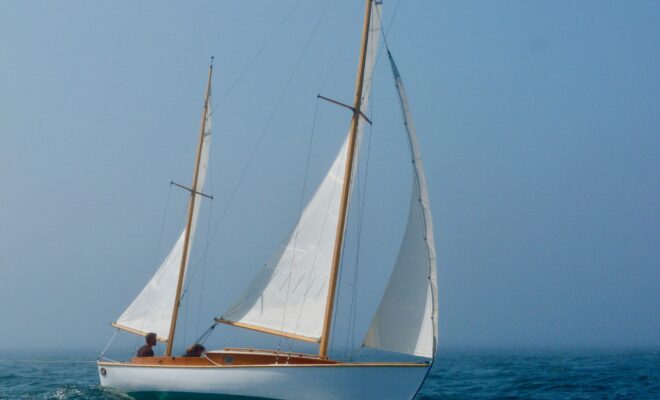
(406, 320)
(151, 311)
(289, 294)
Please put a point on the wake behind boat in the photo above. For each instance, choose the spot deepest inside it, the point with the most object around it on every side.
(294, 295)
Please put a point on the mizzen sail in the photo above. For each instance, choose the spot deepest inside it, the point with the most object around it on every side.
(151, 311)
(406, 320)
(288, 297)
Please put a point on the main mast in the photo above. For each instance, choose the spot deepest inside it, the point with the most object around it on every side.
(343, 208)
(191, 208)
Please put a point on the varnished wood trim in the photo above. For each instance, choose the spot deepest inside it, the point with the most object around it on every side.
(191, 208)
(346, 365)
(135, 331)
(250, 350)
(346, 188)
(267, 330)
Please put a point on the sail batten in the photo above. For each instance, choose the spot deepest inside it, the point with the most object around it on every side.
(289, 295)
(406, 320)
(151, 310)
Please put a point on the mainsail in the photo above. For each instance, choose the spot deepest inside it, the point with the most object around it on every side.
(289, 295)
(406, 320)
(151, 311)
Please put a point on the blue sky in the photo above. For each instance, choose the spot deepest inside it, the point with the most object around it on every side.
(538, 123)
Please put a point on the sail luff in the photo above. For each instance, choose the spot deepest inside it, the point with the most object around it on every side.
(151, 310)
(343, 208)
(288, 296)
(406, 320)
(191, 208)
(422, 187)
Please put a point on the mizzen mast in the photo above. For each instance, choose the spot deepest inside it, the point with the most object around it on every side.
(191, 208)
(343, 208)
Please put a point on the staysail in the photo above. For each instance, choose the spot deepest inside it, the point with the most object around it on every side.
(288, 297)
(151, 311)
(407, 318)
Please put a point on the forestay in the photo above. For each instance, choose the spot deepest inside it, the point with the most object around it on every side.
(289, 295)
(406, 320)
(151, 311)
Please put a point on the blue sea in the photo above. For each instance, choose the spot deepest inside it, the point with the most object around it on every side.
(456, 375)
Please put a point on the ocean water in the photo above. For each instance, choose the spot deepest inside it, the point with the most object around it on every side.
(456, 375)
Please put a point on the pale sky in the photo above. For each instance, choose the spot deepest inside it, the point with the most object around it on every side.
(538, 123)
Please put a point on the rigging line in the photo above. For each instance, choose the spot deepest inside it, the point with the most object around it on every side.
(382, 28)
(383, 31)
(301, 209)
(361, 207)
(325, 81)
(359, 210)
(204, 264)
(156, 256)
(185, 319)
(112, 339)
(256, 55)
(162, 227)
(286, 298)
(341, 47)
(361, 213)
(342, 259)
(417, 185)
(389, 26)
(207, 333)
(367, 90)
(334, 313)
(206, 248)
(201, 262)
(265, 129)
(300, 212)
(314, 264)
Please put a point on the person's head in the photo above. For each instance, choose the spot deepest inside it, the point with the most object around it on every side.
(195, 350)
(151, 339)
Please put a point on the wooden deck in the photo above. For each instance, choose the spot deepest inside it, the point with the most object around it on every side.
(233, 356)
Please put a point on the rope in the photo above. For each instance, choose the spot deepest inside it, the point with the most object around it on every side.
(207, 334)
(361, 207)
(384, 32)
(204, 263)
(301, 209)
(264, 130)
(341, 47)
(162, 228)
(185, 319)
(114, 335)
(361, 213)
(211, 361)
(256, 55)
(302, 194)
(156, 256)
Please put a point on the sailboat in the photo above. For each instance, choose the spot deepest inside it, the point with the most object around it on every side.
(294, 295)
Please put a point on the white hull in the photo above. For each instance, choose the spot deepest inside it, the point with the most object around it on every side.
(291, 382)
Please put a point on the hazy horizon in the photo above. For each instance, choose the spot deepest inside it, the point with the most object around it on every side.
(538, 125)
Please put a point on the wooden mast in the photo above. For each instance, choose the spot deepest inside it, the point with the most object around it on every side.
(343, 208)
(191, 208)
